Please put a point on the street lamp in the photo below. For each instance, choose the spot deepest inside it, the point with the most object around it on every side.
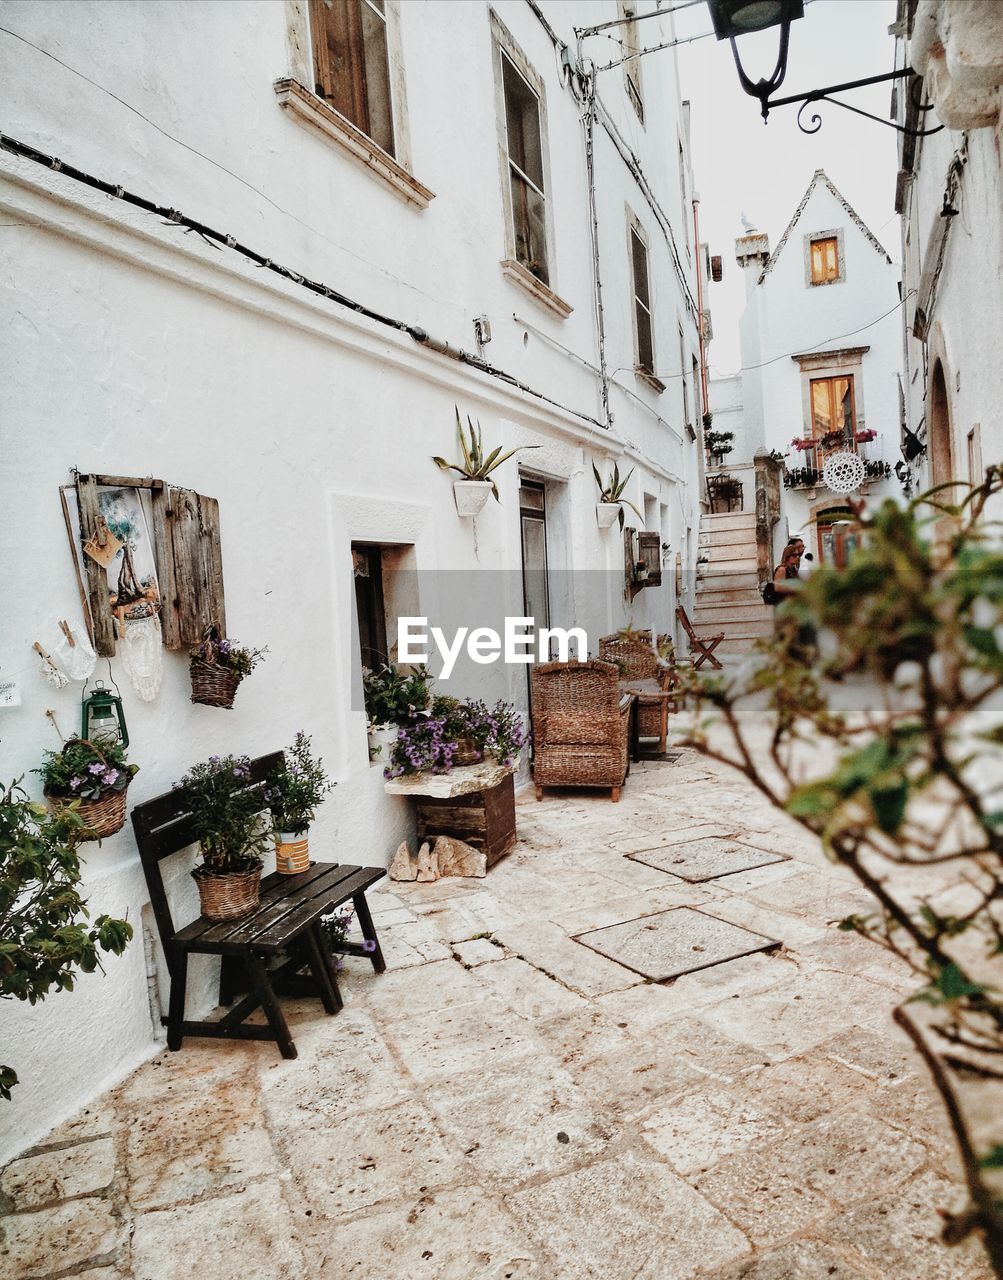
(733, 18)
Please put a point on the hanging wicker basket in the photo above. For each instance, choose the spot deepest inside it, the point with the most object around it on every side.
(102, 817)
(228, 897)
(211, 685)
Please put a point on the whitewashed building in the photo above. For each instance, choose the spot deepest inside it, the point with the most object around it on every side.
(366, 213)
(819, 387)
(950, 196)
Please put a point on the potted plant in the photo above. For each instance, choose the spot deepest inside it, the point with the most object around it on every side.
(217, 667)
(718, 445)
(391, 696)
(47, 935)
(456, 733)
(640, 571)
(293, 793)
(225, 810)
(471, 491)
(91, 777)
(611, 500)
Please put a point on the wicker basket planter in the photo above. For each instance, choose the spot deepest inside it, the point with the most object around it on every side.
(228, 897)
(102, 817)
(292, 852)
(213, 686)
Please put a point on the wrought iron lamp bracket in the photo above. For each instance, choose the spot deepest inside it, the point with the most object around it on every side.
(824, 95)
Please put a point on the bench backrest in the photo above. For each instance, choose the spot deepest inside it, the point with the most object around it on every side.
(163, 826)
(687, 625)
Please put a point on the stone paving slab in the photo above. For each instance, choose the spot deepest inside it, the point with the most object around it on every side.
(518, 1107)
(670, 943)
(706, 858)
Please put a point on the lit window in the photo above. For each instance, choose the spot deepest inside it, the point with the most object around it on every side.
(351, 67)
(832, 409)
(525, 161)
(642, 303)
(824, 260)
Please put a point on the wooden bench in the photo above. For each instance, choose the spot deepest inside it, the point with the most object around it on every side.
(282, 937)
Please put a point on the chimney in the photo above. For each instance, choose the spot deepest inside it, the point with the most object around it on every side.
(752, 252)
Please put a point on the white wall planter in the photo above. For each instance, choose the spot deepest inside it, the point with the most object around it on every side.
(381, 738)
(606, 514)
(470, 496)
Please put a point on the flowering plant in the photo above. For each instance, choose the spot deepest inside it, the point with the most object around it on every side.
(85, 770)
(391, 696)
(216, 651)
(431, 743)
(297, 787)
(336, 927)
(225, 813)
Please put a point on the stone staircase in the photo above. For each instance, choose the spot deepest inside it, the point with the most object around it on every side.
(727, 590)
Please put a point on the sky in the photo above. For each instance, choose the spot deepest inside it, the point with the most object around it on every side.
(743, 166)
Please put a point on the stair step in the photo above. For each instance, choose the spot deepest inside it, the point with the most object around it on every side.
(728, 519)
(712, 579)
(726, 617)
(739, 564)
(707, 599)
(727, 538)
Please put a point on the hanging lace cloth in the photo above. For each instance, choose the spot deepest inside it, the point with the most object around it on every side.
(143, 655)
(75, 653)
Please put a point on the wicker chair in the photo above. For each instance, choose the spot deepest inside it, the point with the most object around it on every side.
(581, 724)
(636, 660)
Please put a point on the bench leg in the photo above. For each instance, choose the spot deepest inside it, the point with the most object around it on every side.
(262, 988)
(369, 930)
(322, 968)
(176, 1007)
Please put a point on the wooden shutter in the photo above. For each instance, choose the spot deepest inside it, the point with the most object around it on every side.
(649, 549)
(190, 564)
(339, 57)
(92, 524)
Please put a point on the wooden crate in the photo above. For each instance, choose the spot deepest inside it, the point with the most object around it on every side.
(484, 819)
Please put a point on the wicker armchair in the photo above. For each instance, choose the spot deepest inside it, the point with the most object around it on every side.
(637, 661)
(581, 725)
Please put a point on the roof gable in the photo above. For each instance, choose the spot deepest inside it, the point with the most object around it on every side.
(820, 176)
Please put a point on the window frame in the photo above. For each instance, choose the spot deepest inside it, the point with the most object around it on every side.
(503, 45)
(831, 379)
(637, 232)
(357, 72)
(819, 237)
(633, 84)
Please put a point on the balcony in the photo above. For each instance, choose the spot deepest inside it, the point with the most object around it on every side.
(812, 454)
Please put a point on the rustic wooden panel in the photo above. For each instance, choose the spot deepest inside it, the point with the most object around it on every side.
(198, 565)
(97, 578)
(164, 551)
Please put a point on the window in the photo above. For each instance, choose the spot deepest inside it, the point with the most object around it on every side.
(682, 197)
(630, 44)
(367, 564)
(832, 408)
(642, 303)
(825, 261)
(525, 162)
(351, 66)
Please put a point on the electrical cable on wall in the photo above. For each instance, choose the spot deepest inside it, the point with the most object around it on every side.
(175, 217)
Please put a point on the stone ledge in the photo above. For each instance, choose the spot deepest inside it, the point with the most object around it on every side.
(308, 108)
(445, 786)
(543, 294)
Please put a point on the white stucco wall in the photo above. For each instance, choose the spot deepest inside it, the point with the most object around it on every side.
(133, 348)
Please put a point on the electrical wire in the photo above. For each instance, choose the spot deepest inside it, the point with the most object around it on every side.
(175, 217)
(229, 172)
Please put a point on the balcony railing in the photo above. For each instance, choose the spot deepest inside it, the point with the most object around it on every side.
(812, 454)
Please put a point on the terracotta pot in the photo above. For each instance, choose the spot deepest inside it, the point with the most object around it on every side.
(292, 852)
(228, 897)
(470, 496)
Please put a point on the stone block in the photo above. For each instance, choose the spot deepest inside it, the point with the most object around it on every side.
(457, 858)
(428, 869)
(66, 1235)
(403, 866)
(50, 1175)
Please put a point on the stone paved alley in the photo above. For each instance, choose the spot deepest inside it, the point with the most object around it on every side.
(504, 1103)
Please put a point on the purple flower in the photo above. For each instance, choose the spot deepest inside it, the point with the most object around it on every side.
(76, 782)
(110, 776)
(95, 768)
(369, 945)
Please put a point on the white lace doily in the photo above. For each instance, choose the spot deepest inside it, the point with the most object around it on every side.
(77, 659)
(143, 655)
(843, 472)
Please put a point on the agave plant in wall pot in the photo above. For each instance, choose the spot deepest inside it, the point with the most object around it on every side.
(471, 491)
(611, 502)
(293, 792)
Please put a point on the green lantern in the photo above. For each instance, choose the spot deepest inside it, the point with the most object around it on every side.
(102, 715)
